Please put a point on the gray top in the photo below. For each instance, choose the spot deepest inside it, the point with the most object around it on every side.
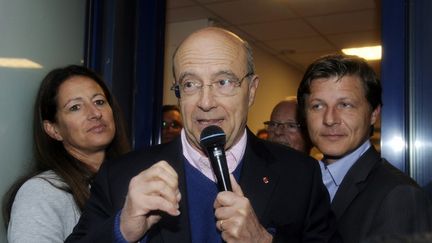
(41, 212)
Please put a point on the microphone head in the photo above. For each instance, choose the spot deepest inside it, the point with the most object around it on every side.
(212, 136)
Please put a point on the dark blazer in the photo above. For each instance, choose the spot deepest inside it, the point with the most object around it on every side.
(294, 203)
(375, 198)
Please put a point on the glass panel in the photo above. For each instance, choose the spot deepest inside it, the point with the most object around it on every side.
(420, 90)
(393, 77)
(49, 33)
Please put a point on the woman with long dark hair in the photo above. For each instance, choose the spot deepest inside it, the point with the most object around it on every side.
(76, 126)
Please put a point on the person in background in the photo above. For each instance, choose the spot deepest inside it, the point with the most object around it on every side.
(285, 127)
(171, 123)
(341, 100)
(168, 193)
(262, 133)
(76, 126)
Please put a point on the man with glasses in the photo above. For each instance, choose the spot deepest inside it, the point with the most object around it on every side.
(171, 123)
(168, 193)
(284, 126)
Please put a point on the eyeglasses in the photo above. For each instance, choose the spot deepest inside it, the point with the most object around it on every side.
(286, 126)
(225, 85)
(173, 124)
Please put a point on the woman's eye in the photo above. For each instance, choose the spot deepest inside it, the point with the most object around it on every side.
(74, 108)
(100, 102)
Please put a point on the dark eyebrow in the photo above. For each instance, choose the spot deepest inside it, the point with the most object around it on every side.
(316, 99)
(80, 98)
(97, 94)
(73, 99)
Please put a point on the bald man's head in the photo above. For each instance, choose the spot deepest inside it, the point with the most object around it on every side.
(284, 126)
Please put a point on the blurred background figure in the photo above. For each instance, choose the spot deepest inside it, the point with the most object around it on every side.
(171, 123)
(262, 133)
(76, 126)
(284, 126)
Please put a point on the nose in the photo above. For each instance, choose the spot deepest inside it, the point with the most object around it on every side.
(170, 129)
(206, 98)
(94, 112)
(331, 117)
(278, 130)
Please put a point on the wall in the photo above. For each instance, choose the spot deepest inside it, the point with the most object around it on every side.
(278, 79)
(174, 34)
(50, 32)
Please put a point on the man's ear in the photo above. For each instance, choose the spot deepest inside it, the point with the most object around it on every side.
(375, 114)
(52, 131)
(253, 86)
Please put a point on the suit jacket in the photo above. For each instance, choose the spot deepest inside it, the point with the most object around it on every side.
(293, 203)
(375, 198)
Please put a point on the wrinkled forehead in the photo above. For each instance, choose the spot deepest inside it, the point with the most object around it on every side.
(285, 111)
(172, 115)
(352, 83)
(211, 51)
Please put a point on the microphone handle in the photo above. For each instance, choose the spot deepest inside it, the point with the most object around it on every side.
(220, 168)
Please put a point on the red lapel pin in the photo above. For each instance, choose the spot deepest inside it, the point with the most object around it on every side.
(266, 180)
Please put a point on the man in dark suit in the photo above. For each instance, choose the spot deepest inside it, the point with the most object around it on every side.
(340, 97)
(168, 193)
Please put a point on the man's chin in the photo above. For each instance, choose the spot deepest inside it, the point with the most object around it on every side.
(280, 142)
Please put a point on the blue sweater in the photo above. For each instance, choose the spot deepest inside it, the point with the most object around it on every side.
(201, 193)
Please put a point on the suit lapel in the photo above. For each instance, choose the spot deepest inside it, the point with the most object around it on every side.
(177, 229)
(257, 180)
(354, 181)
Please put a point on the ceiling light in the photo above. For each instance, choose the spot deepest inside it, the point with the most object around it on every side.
(368, 52)
(7, 62)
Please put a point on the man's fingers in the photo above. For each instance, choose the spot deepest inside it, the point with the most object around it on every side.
(164, 164)
(235, 186)
(154, 189)
(160, 171)
(155, 203)
(160, 188)
(227, 198)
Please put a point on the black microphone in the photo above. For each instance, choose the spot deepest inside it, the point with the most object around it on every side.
(212, 140)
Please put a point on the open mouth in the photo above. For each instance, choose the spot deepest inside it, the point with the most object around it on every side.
(208, 122)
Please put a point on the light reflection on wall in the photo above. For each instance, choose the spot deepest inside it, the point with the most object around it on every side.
(397, 144)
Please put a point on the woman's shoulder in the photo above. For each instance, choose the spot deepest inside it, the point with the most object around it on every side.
(44, 191)
(44, 184)
(42, 211)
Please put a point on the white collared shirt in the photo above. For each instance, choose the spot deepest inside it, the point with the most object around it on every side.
(234, 155)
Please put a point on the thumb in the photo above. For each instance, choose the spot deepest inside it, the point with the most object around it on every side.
(235, 186)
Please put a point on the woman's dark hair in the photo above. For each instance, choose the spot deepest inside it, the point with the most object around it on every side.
(50, 154)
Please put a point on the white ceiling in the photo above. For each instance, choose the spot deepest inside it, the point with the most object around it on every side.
(295, 31)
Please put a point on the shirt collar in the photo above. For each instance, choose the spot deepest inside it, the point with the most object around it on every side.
(339, 168)
(234, 155)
